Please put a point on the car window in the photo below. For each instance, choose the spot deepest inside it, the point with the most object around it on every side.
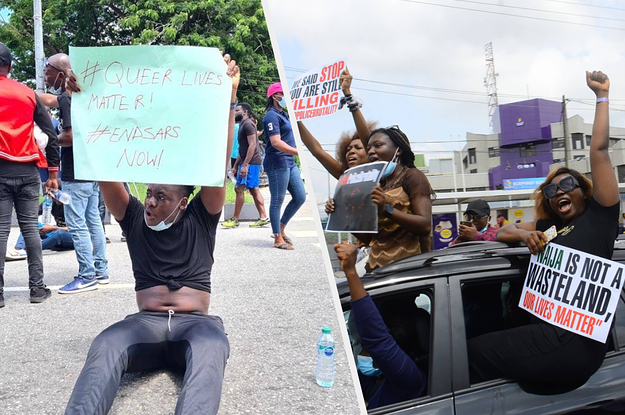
(492, 306)
(407, 317)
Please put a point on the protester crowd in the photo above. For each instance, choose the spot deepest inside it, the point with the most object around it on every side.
(387, 363)
(171, 264)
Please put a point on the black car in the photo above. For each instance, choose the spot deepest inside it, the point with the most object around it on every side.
(440, 282)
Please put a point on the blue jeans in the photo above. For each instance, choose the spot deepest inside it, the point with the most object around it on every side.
(281, 180)
(83, 221)
(23, 193)
(55, 241)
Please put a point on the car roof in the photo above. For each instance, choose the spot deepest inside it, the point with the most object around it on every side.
(458, 259)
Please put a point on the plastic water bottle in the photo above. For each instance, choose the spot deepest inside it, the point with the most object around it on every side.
(62, 197)
(46, 210)
(325, 359)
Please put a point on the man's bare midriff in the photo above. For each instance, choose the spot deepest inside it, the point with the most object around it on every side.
(184, 300)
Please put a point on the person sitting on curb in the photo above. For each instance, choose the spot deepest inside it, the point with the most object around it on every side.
(478, 213)
(53, 237)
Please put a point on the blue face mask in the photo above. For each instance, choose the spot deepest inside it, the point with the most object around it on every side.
(391, 166)
(365, 365)
(282, 102)
(161, 226)
(484, 230)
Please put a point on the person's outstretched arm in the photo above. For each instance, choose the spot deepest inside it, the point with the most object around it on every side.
(213, 198)
(359, 119)
(327, 161)
(523, 232)
(400, 370)
(116, 198)
(605, 186)
(346, 253)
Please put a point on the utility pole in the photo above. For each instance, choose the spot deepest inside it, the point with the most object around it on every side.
(38, 28)
(490, 82)
(565, 128)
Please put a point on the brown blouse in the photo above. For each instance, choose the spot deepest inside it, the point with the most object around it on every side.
(392, 242)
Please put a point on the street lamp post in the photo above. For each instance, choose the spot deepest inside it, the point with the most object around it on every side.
(38, 28)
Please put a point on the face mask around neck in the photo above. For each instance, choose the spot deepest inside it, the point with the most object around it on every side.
(161, 226)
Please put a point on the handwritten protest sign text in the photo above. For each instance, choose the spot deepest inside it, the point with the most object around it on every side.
(156, 114)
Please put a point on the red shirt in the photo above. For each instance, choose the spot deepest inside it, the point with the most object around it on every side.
(17, 112)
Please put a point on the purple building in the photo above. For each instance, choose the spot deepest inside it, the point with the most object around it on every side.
(525, 140)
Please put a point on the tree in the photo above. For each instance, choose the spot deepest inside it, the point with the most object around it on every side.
(236, 27)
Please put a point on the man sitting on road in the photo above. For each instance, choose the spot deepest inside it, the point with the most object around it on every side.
(53, 237)
(247, 167)
(478, 213)
(171, 242)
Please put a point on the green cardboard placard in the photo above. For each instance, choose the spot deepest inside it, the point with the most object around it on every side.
(150, 114)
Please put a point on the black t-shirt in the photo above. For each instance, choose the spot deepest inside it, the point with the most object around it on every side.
(65, 121)
(246, 129)
(593, 232)
(179, 256)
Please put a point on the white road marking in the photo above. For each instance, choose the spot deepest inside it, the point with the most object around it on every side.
(56, 287)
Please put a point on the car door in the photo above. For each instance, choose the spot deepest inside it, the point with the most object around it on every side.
(439, 400)
(604, 392)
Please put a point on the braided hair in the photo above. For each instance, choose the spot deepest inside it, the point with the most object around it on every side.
(400, 139)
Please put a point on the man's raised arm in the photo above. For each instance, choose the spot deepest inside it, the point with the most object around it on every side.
(213, 198)
(116, 198)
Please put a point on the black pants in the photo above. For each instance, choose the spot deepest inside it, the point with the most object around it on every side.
(143, 341)
(537, 353)
(23, 193)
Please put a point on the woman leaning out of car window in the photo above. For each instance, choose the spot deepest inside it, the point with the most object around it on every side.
(586, 219)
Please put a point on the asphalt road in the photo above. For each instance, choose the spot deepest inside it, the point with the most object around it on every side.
(273, 304)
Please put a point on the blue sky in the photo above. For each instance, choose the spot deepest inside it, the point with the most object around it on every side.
(433, 51)
(4, 14)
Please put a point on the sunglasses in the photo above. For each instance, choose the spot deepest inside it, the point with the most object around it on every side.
(46, 63)
(566, 185)
(473, 216)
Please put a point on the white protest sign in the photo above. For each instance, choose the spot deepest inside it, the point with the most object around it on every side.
(316, 93)
(573, 290)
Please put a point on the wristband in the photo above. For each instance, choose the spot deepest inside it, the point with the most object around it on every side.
(602, 100)
(233, 105)
(388, 211)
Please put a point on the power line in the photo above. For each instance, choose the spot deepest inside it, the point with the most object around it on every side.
(585, 5)
(512, 15)
(448, 90)
(541, 10)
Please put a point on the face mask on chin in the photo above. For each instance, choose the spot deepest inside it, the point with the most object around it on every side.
(161, 226)
(391, 166)
(60, 89)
